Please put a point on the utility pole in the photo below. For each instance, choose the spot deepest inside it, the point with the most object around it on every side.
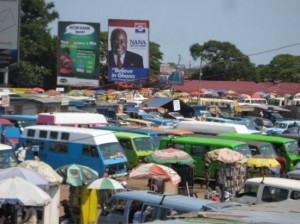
(199, 82)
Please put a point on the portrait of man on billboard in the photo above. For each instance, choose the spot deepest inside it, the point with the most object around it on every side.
(119, 56)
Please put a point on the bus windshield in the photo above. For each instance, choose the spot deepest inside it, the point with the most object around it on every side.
(143, 144)
(243, 149)
(292, 147)
(267, 150)
(111, 150)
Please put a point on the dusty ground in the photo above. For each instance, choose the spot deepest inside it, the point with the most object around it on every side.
(132, 184)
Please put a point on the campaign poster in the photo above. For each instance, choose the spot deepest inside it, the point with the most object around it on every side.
(9, 32)
(78, 54)
(128, 50)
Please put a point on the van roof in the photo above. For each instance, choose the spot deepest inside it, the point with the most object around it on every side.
(78, 135)
(173, 201)
(256, 137)
(210, 140)
(275, 181)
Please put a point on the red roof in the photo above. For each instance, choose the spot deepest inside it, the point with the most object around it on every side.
(240, 86)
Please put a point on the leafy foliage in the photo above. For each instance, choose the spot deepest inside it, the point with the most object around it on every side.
(37, 47)
(222, 61)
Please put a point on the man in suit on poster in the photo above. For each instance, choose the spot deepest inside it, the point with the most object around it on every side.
(118, 56)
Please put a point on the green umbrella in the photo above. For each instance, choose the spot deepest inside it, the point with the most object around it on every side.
(170, 155)
(77, 175)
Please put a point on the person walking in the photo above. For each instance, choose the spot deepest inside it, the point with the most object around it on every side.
(21, 153)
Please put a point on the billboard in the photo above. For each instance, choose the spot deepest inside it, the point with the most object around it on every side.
(128, 50)
(78, 54)
(9, 32)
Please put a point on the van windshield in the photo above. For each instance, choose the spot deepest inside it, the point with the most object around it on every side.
(292, 147)
(243, 149)
(267, 150)
(143, 144)
(111, 150)
(7, 159)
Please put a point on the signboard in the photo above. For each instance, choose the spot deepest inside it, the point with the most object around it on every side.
(9, 32)
(78, 54)
(128, 50)
(176, 105)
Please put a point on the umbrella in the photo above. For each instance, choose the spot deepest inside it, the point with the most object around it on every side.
(230, 92)
(153, 170)
(16, 190)
(226, 155)
(77, 175)
(44, 170)
(105, 184)
(256, 96)
(170, 155)
(26, 174)
(37, 90)
(262, 162)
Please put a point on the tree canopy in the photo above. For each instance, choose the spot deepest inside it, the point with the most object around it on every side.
(222, 61)
(37, 46)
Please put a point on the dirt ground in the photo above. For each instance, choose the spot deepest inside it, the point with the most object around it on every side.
(132, 184)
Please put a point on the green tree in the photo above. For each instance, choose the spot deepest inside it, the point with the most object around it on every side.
(37, 46)
(155, 57)
(222, 61)
(285, 67)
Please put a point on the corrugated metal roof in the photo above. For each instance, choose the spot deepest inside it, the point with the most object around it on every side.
(158, 101)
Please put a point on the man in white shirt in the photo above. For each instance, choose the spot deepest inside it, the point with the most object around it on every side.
(21, 153)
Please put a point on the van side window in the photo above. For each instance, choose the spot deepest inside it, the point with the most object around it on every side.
(273, 194)
(126, 144)
(30, 133)
(117, 205)
(43, 134)
(199, 150)
(53, 134)
(89, 151)
(58, 147)
(65, 136)
(176, 146)
(295, 195)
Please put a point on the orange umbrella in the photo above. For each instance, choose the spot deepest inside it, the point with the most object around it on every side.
(153, 170)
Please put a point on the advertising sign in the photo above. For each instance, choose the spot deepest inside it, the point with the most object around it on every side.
(128, 50)
(9, 32)
(78, 54)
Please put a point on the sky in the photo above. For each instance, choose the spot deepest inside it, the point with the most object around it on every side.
(261, 29)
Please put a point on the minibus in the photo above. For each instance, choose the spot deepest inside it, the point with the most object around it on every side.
(257, 148)
(283, 146)
(84, 120)
(58, 146)
(135, 146)
(198, 147)
(213, 128)
(20, 120)
(268, 189)
(154, 135)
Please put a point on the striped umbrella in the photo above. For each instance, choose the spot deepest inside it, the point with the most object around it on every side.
(105, 184)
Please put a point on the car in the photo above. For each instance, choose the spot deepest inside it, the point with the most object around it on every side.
(281, 127)
(122, 206)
